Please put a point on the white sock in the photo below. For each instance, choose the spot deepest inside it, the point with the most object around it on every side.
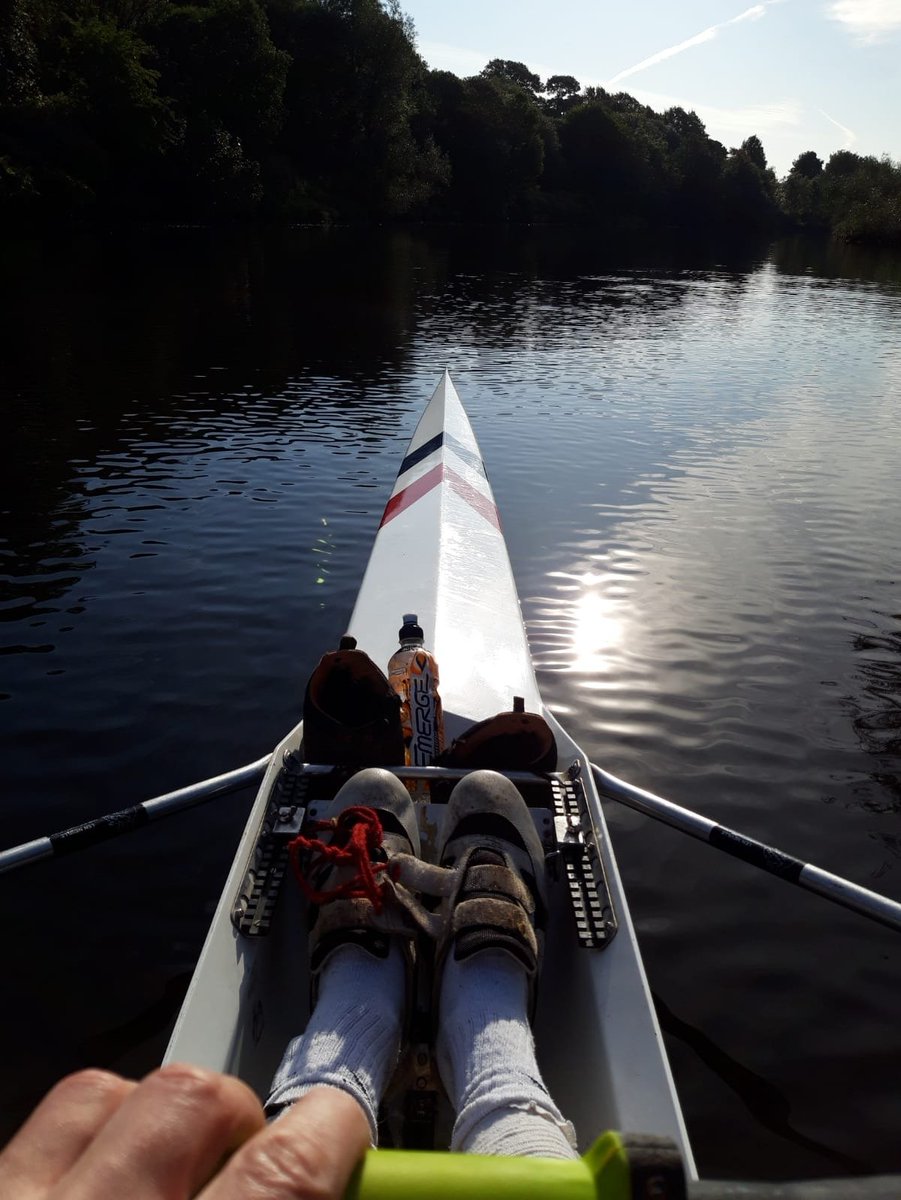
(486, 1056)
(352, 1040)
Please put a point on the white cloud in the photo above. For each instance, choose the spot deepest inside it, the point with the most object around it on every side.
(732, 124)
(867, 20)
(465, 61)
(441, 56)
(706, 35)
(751, 118)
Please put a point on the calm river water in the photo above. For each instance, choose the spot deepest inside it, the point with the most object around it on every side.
(697, 463)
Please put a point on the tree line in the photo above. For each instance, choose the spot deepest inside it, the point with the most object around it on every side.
(322, 110)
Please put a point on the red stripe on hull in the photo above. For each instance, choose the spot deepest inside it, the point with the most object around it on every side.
(426, 483)
(467, 492)
(421, 487)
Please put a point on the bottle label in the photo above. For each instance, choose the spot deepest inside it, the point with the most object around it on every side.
(426, 724)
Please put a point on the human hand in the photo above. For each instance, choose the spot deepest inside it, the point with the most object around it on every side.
(183, 1132)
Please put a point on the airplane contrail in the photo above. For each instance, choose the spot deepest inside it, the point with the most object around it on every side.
(850, 135)
(754, 13)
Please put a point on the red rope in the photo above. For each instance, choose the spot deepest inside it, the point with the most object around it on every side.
(357, 835)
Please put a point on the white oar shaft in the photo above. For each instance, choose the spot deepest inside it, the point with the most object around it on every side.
(102, 828)
(758, 854)
(196, 793)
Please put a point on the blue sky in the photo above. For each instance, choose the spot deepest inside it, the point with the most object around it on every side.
(821, 75)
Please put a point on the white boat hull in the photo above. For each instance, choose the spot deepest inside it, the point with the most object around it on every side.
(440, 553)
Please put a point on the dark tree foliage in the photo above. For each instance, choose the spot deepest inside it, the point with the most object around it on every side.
(18, 55)
(802, 192)
(696, 164)
(355, 142)
(312, 108)
(492, 134)
(602, 162)
(857, 198)
(226, 79)
(861, 197)
(92, 126)
(807, 165)
(323, 109)
(514, 72)
(622, 102)
(218, 63)
(752, 148)
(748, 191)
(561, 94)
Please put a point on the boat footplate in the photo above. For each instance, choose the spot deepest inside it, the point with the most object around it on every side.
(254, 902)
(575, 857)
(580, 862)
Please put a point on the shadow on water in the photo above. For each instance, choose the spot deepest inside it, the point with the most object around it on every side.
(104, 332)
(824, 258)
(875, 711)
(131, 1049)
(149, 1025)
(105, 335)
(103, 339)
(763, 1100)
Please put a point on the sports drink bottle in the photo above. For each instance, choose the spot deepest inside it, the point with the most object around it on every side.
(413, 673)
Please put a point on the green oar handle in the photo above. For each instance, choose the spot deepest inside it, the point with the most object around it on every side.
(617, 1167)
(604, 1173)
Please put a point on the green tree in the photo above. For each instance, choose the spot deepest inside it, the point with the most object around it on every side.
(136, 15)
(802, 191)
(356, 142)
(684, 126)
(516, 73)
(622, 102)
(220, 65)
(493, 135)
(843, 163)
(752, 148)
(562, 94)
(226, 81)
(749, 190)
(695, 165)
(18, 55)
(106, 74)
(92, 127)
(603, 162)
(862, 197)
(807, 165)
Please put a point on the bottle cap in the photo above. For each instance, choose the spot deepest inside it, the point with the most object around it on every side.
(410, 628)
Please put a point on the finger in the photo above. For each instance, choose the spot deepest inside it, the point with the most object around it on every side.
(59, 1131)
(307, 1154)
(167, 1139)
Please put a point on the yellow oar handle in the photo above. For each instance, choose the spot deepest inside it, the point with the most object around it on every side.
(611, 1170)
(617, 1167)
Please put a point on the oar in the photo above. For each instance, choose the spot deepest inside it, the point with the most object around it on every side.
(102, 828)
(617, 1167)
(768, 858)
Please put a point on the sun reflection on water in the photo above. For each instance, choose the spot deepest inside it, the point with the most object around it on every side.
(583, 623)
(598, 628)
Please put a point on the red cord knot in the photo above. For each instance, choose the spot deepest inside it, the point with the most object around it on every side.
(357, 836)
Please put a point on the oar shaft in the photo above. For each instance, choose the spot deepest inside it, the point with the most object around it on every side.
(749, 850)
(196, 793)
(101, 829)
